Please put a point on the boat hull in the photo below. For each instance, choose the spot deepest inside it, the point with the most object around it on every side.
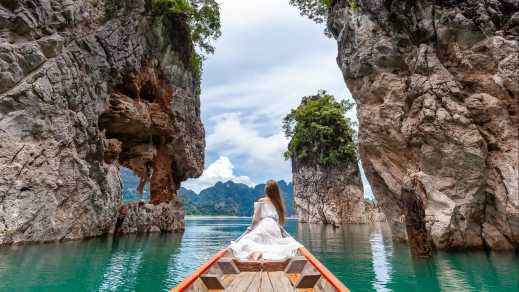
(223, 272)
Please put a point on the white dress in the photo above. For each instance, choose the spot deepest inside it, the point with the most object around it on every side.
(266, 236)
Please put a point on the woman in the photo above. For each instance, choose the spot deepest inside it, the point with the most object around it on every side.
(264, 237)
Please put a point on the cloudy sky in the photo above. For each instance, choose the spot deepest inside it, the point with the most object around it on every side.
(267, 58)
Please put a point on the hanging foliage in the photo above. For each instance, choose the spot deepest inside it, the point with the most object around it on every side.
(319, 131)
(317, 10)
(203, 19)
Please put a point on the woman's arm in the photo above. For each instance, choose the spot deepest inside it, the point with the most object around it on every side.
(256, 216)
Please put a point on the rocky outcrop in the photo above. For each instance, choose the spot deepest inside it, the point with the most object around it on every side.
(437, 90)
(330, 195)
(86, 86)
(414, 216)
(141, 217)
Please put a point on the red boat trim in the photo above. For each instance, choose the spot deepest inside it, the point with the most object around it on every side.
(336, 283)
(192, 278)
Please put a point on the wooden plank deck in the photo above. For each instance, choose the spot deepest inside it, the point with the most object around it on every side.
(297, 274)
(276, 276)
(242, 281)
(280, 282)
(260, 282)
(266, 285)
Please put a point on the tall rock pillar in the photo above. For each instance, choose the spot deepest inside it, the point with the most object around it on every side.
(87, 86)
(436, 85)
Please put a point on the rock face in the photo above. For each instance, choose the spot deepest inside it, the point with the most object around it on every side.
(437, 91)
(86, 86)
(140, 217)
(330, 195)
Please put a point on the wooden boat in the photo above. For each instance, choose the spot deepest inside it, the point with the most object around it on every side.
(223, 272)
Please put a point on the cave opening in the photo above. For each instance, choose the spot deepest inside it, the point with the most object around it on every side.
(148, 91)
(135, 135)
(130, 183)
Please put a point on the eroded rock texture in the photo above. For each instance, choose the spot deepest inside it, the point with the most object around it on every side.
(141, 217)
(437, 89)
(86, 86)
(330, 195)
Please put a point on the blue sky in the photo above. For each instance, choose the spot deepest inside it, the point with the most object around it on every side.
(267, 58)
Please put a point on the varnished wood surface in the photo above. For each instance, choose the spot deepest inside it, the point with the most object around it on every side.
(295, 274)
(242, 281)
(261, 281)
(266, 285)
(261, 265)
(212, 281)
(329, 276)
(255, 283)
(293, 277)
(280, 282)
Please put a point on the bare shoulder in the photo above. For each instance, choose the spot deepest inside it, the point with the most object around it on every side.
(263, 199)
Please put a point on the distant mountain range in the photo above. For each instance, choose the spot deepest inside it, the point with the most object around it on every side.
(232, 199)
(222, 199)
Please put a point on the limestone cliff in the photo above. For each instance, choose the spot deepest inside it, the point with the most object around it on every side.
(330, 195)
(437, 89)
(86, 86)
(325, 170)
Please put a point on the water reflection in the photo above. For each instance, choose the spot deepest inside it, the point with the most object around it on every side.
(452, 279)
(202, 239)
(362, 256)
(357, 254)
(122, 269)
(477, 271)
(380, 257)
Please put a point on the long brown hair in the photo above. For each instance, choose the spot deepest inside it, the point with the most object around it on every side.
(273, 193)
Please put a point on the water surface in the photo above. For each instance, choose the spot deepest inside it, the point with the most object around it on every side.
(363, 257)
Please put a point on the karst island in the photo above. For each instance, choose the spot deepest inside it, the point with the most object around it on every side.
(259, 145)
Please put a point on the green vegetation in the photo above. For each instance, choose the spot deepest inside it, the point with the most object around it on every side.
(320, 132)
(203, 17)
(354, 5)
(317, 10)
(231, 199)
(196, 63)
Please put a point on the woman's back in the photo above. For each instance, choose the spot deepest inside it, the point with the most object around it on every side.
(264, 238)
(266, 209)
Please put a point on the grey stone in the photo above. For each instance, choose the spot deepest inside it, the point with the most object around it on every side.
(63, 65)
(140, 217)
(51, 45)
(331, 195)
(437, 88)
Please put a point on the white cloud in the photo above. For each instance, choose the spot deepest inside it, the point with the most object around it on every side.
(267, 58)
(279, 88)
(238, 137)
(239, 14)
(220, 170)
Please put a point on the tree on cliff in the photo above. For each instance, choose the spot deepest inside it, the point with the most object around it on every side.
(318, 10)
(203, 17)
(319, 131)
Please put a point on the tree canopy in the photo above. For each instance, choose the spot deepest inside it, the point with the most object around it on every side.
(319, 131)
(203, 19)
(316, 10)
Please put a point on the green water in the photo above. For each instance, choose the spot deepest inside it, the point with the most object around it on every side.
(363, 257)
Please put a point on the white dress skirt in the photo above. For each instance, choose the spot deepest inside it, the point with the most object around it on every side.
(265, 236)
